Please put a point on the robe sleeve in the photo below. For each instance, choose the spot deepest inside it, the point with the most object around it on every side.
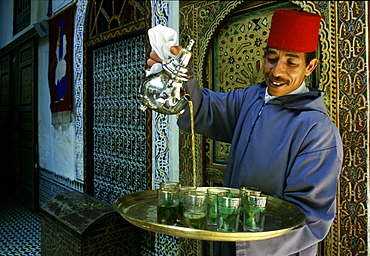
(212, 109)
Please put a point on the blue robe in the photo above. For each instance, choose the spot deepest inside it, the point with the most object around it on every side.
(288, 147)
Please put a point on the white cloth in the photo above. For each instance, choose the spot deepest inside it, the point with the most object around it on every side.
(161, 39)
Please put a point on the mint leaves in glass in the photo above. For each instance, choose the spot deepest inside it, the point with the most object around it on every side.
(195, 209)
(167, 206)
(213, 193)
(254, 206)
(228, 212)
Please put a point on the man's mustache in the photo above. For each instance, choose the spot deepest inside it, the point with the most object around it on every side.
(277, 79)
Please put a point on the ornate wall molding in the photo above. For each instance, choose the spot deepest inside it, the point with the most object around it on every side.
(114, 19)
(353, 118)
(344, 40)
(161, 122)
(164, 245)
(326, 51)
(78, 91)
(203, 18)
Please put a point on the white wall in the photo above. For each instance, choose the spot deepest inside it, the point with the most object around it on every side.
(56, 142)
(6, 21)
(38, 13)
(173, 22)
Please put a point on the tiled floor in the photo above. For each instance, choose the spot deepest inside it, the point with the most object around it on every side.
(19, 229)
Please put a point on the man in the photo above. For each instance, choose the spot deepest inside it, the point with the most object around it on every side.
(282, 139)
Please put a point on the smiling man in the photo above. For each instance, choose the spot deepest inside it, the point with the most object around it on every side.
(282, 139)
(285, 71)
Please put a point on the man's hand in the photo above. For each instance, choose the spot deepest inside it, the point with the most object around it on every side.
(154, 58)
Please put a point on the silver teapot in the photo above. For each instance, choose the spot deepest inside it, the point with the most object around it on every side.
(165, 91)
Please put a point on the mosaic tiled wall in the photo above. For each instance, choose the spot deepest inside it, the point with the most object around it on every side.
(116, 148)
(52, 184)
(119, 126)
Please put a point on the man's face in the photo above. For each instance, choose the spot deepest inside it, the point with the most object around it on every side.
(285, 71)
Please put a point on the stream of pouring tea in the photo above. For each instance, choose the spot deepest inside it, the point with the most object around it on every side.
(193, 143)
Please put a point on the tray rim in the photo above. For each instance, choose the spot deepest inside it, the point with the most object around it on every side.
(198, 233)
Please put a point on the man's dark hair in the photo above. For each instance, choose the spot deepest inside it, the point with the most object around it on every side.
(310, 56)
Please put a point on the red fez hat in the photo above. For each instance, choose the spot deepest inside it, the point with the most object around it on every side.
(295, 31)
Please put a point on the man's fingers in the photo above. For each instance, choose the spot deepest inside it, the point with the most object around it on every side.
(175, 49)
(154, 56)
(151, 62)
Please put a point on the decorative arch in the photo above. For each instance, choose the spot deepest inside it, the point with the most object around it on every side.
(108, 19)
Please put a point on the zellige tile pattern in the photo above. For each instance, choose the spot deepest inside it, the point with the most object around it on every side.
(19, 229)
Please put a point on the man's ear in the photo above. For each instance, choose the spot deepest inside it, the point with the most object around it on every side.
(311, 66)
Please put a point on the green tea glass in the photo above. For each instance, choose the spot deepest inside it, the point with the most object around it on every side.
(195, 209)
(167, 206)
(254, 212)
(228, 212)
(212, 219)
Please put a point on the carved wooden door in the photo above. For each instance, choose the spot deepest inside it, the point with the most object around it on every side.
(18, 124)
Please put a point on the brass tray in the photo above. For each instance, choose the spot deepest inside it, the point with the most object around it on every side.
(140, 210)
